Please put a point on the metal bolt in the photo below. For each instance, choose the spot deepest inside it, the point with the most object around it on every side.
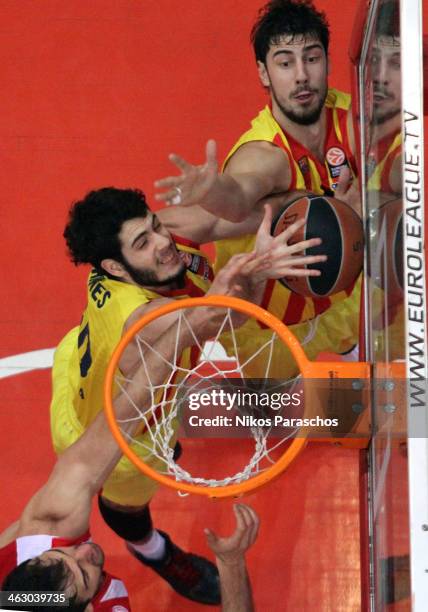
(389, 385)
(357, 408)
(357, 385)
(390, 408)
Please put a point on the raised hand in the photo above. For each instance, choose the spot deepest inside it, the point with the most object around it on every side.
(194, 182)
(243, 277)
(285, 259)
(230, 550)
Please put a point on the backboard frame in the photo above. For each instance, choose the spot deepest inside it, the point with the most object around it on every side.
(414, 256)
(415, 304)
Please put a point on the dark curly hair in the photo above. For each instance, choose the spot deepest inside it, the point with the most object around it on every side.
(281, 18)
(38, 575)
(94, 224)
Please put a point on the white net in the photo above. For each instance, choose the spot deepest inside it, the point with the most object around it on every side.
(169, 409)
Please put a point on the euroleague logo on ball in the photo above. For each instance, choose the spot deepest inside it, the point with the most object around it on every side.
(335, 156)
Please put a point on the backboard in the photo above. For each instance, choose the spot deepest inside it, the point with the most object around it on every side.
(390, 110)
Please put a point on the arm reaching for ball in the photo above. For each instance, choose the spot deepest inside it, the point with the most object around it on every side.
(256, 170)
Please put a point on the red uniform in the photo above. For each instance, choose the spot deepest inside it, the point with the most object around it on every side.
(111, 597)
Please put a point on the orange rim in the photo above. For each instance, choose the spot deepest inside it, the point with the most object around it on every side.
(233, 490)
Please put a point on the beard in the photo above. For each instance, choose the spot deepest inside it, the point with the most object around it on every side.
(303, 116)
(148, 278)
(381, 118)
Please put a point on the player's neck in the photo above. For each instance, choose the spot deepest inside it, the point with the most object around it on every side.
(166, 289)
(312, 137)
(177, 283)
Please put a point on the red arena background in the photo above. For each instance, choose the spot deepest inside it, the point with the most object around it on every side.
(97, 93)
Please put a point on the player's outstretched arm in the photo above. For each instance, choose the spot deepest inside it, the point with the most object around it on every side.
(230, 552)
(62, 506)
(202, 227)
(255, 171)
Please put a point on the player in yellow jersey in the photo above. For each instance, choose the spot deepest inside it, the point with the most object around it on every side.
(302, 140)
(292, 143)
(137, 267)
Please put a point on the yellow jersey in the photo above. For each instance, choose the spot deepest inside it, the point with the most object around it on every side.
(308, 173)
(109, 305)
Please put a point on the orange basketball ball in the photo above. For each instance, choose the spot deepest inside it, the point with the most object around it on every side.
(342, 235)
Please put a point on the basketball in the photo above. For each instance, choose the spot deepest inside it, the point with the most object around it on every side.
(342, 235)
(388, 252)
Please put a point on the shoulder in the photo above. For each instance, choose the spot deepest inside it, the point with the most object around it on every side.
(111, 302)
(112, 596)
(102, 290)
(263, 130)
(153, 304)
(263, 125)
(27, 546)
(257, 155)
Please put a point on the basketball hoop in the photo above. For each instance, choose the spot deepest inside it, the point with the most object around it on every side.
(160, 420)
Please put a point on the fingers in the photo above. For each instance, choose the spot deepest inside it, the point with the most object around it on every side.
(289, 269)
(262, 262)
(285, 266)
(305, 260)
(288, 251)
(212, 537)
(237, 263)
(302, 246)
(167, 196)
(279, 258)
(168, 182)
(211, 152)
(226, 279)
(234, 546)
(290, 231)
(172, 182)
(254, 525)
(267, 220)
(180, 162)
(247, 524)
(343, 182)
(293, 272)
(240, 516)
